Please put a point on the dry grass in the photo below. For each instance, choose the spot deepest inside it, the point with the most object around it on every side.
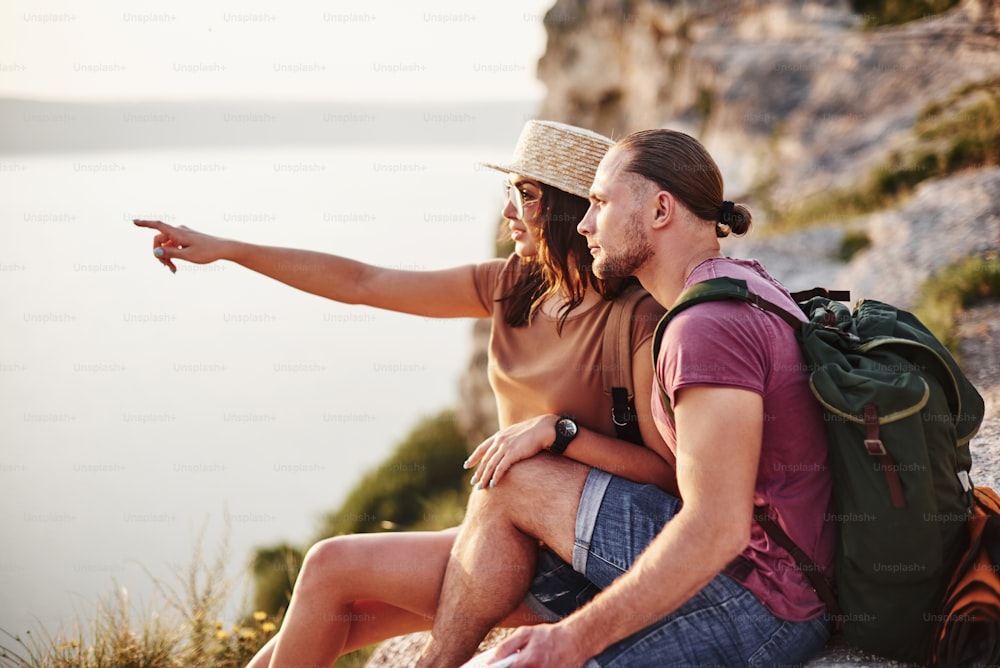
(181, 627)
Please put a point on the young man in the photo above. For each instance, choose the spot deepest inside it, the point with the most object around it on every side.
(691, 584)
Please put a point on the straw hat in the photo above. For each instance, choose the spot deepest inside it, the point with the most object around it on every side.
(557, 154)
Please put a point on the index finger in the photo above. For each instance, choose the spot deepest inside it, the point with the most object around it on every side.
(478, 453)
(152, 224)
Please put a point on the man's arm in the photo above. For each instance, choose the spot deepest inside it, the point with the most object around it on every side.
(719, 435)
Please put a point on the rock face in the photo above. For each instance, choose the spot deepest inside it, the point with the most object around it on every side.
(792, 93)
(800, 97)
(945, 221)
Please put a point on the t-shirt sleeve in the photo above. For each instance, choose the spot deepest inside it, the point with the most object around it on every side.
(723, 344)
(487, 279)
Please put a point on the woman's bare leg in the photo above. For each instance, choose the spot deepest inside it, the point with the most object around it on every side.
(403, 570)
(354, 591)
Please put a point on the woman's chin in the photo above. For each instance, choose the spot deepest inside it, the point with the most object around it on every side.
(525, 249)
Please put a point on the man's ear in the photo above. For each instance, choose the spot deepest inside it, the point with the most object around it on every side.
(666, 206)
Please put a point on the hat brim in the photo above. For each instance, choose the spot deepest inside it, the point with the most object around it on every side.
(550, 180)
(557, 155)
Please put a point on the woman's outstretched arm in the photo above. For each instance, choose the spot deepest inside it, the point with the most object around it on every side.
(446, 293)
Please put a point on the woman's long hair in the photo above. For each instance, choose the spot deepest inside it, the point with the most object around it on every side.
(562, 264)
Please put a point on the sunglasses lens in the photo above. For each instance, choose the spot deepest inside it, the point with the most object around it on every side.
(517, 199)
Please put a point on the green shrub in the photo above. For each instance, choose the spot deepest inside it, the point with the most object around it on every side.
(954, 288)
(852, 243)
(274, 571)
(398, 493)
(893, 12)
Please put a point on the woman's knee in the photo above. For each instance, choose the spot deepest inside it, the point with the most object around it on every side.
(332, 559)
(354, 565)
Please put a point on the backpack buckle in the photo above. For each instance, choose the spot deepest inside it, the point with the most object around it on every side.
(874, 446)
(966, 482)
(624, 420)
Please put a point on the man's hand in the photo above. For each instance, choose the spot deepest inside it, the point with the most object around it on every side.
(544, 645)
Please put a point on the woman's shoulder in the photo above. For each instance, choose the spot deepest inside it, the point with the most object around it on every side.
(644, 309)
(494, 272)
(639, 308)
(647, 314)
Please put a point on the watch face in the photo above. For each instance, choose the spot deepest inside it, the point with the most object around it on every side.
(566, 427)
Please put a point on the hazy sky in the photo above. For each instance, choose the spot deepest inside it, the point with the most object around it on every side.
(294, 50)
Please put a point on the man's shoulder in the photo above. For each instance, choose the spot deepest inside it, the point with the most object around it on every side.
(749, 270)
(757, 278)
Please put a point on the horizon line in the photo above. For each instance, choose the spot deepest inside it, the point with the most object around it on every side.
(31, 126)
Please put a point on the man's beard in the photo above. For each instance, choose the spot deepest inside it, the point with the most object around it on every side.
(628, 260)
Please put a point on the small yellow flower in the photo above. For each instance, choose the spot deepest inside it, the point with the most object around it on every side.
(248, 634)
(260, 616)
(268, 627)
(221, 635)
(218, 625)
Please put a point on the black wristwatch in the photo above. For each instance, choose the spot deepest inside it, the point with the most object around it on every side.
(566, 431)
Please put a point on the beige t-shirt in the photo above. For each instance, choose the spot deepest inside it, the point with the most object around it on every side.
(534, 370)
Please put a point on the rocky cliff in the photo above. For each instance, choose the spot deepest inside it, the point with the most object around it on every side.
(799, 95)
(797, 100)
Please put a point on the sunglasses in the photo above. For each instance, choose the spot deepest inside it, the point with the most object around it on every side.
(521, 199)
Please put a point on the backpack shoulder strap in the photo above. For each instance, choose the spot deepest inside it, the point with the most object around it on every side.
(616, 364)
(713, 289)
(833, 295)
(824, 589)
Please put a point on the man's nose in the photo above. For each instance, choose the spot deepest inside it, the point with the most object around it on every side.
(585, 226)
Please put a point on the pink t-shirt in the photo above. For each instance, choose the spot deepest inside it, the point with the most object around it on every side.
(732, 344)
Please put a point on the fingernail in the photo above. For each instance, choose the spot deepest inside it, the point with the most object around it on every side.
(473, 481)
(465, 464)
(479, 486)
(158, 252)
(493, 482)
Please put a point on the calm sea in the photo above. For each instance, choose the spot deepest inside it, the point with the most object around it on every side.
(140, 410)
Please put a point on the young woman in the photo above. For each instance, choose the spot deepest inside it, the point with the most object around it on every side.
(548, 314)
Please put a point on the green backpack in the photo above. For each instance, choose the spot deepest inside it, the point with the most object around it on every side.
(899, 415)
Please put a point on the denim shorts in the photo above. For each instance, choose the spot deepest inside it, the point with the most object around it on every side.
(722, 625)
